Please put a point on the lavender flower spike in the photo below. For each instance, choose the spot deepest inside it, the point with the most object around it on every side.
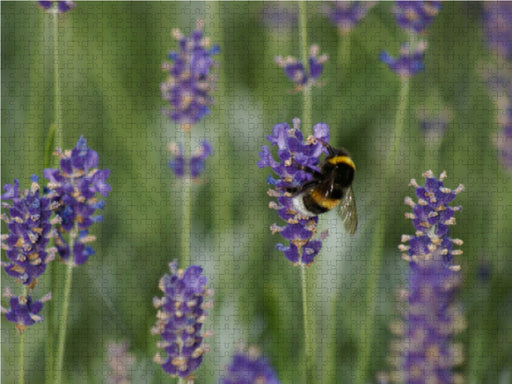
(74, 187)
(346, 15)
(293, 153)
(30, 228)
(190, 83)
(180, 319)
(426, 353)
(249, 368)
(194, 167)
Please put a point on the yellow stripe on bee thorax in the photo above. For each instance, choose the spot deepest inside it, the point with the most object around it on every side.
(323, 201)
(342, 159)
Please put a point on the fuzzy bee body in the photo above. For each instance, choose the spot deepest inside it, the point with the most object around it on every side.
(330, 187)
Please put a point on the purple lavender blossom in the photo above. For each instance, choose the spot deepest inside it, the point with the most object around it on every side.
(180, 319)
(24, 311)
(30, 228)
(433, 124)
(190, 83)
(295, 71)
(74, 187)
(194, 166)
(249, 368)
(293, 152)
(410, 61)
(347, 14)
(498, 27)
(416, 16)
(431, 319)
(62, 6)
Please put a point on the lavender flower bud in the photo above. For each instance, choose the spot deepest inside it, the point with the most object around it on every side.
(293, 153)
(180, 320)
(416, 16)
(74, 187)
(295, 71)
(190, 83)
(24, 311)
(410, 61)
(30, 228)
(346, 15)
(498, 27)
(57, 6)
(249, 368)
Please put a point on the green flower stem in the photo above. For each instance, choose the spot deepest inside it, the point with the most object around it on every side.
(56, 78)
(344, 56)
(21, 378)
(182, 381)
(307, 100)
(366, 334)
(187, 204)
(65, 307)
(308, 329)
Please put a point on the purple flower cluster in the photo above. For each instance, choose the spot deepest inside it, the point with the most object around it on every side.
(74, 187)
(415, 16)
(433, 124)
(24, 311)
(294, 154)
(295, 71)
(410, 61)
(194, 166)
(426, 352)
(190, 82)
(249, 368)
(180, 319)
(30, 228)
(62, 6)
(498, 27)
(345, 15)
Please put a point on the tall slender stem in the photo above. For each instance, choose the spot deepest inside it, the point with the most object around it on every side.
(56, 79)
(63, 325)
(21, 363)
(308, 329)
(187, 204)
(306, 95)
(366, 334)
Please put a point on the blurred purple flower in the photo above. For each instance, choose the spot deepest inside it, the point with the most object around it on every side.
(180, 319)
(426, 351)
(24, 311)
(498, 27)
(74, 188)
(409, 63)
(503, 143)
(249, 368)
(190, 82)
(433, 124)
(293, 153)
(61, 6)
(295, 71)
(30, 228)
(195, 165)
(415, 16)
(345, 15)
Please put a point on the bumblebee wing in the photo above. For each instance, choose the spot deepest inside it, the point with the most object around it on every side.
(348, 212)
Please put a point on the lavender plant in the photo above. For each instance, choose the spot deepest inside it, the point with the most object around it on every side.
(413, 18)
(183, 310)
(57, 6)
(188, 90)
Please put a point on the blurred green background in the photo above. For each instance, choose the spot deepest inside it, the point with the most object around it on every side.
(110, 76)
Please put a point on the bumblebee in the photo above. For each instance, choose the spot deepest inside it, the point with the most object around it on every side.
(330, 187)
